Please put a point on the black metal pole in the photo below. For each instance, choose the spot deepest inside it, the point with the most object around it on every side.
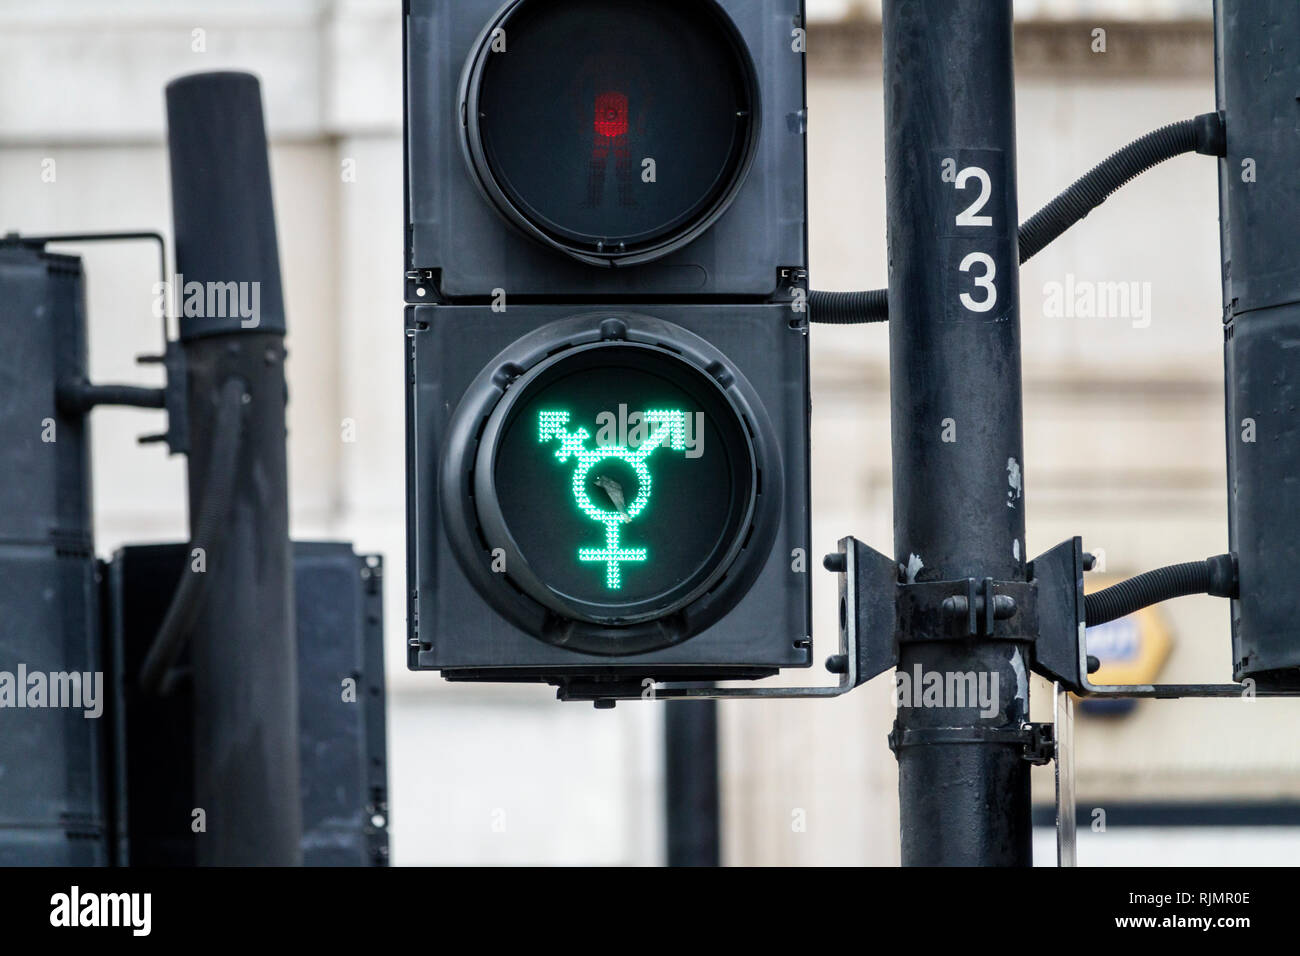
(691, 783)
(1257, 71)
(231, 322)
(954, 336)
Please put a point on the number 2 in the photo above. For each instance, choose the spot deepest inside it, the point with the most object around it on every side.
(967, 216)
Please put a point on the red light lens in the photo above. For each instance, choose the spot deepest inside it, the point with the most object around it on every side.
(614, 130)
(611, 115)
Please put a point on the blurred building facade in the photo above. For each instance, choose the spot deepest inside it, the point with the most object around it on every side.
(1124, 435)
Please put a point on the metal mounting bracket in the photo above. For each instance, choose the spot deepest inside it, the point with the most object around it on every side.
(1061, 652)
(875, 608)
(868, 580)
(173, 358)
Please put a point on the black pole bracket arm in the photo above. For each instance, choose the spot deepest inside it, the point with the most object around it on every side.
(79, 397)
(1061, 651)
(1057, 576)
(868, 607)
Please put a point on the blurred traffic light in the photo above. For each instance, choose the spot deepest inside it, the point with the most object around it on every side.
(53, 798)
(607, 363)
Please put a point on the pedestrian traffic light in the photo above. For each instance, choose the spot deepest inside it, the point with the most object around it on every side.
(551, 131)
(607, 365)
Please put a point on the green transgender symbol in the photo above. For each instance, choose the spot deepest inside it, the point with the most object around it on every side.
(667, 428)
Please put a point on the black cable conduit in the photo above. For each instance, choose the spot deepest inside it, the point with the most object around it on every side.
(1201, 134)
(1216, 576)
(209, 533)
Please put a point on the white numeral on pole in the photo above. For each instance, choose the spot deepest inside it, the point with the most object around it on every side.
(967, 216)
(984, 281)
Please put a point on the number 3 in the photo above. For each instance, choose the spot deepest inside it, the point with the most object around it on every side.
(981, 282)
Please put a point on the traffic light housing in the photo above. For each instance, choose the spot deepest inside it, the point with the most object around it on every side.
(53, 797)
(607, 363)
(735, 237)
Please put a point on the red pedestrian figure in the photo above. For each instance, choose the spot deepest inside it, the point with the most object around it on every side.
(611, 138)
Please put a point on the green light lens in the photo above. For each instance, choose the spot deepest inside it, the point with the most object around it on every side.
(617, 478)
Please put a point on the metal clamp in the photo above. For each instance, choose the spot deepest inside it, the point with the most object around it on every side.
(967, 608)
(1037, 740)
